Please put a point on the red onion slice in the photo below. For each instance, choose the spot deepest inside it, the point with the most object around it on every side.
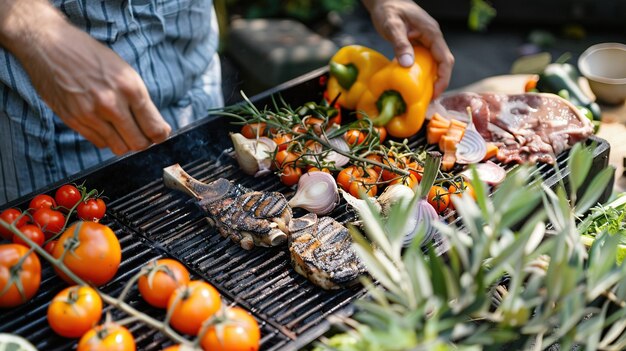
(488, 172)
(472, 148)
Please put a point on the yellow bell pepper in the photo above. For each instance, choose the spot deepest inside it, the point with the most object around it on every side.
(398, 97)
(350, 70)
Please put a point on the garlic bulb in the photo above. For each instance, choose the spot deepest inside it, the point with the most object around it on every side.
(392, 195)
(253, 155)
(317, 193)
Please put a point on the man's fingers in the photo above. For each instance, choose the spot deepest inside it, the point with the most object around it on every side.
(122, 120)
(445, 62)
(107, 132)
(402, 48)
(150, 121)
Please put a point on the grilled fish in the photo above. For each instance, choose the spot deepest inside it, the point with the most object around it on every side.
(321, 251)
(250, 218)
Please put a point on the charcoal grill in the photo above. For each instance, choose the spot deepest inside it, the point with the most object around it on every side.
(152, 221)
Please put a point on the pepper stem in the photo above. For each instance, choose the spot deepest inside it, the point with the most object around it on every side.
(390, 104)
(345, 74)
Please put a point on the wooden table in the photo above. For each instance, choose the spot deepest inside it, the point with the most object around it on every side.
(613, 128)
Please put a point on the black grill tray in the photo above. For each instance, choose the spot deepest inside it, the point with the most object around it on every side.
(153, 221)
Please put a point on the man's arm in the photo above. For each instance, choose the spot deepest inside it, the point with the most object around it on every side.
(403, 22)
(91, 88)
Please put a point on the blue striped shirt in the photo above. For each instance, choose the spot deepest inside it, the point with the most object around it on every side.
(172, 44)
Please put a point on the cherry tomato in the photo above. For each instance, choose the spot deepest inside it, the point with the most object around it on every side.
(238, 331)
(10, 216)
(439, 198)
(195, 302)
(457, 189)
(91, 209)
(50, 246)
(172, 348)
(381, 132)
(33, 232)
(109, 337)
(74, 310)
(41, 201)
(282, 140)
(354, 137)
(67, 196)
(285, 158)
(250, 130)
(95, 256)
(156, 286)
(315, 169)
(49, 220)
(299, 129)
(387, 174)
(415, 168)
(317, 124)
(355, 180)
(28, 276)
(290, 175)
(410, 180)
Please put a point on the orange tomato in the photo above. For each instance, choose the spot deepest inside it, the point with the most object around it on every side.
(354, 137)
(381, 132)
(355, 180)
(160, 281)
(290, 175)
(94, 255)
(195, 302)
(459, 188)
(107, 337)
(282, 140)
(315, 169)
(409, 180)
(28, 277)
(74, 310)
(250, 130)
(238, 331)
(439, 198)
(285, 158)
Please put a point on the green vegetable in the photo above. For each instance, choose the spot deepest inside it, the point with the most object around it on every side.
(558, 77)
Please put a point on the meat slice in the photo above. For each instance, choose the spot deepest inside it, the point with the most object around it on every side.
(321, 250)
(526, 127)
(250, 218)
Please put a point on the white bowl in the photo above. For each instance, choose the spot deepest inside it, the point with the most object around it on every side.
(604, 66)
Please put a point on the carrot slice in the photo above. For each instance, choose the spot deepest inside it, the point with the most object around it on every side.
(433, 135)
(492, 151)
(457, 123)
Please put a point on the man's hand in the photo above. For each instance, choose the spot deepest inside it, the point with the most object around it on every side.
(91, 88)
(403, 22)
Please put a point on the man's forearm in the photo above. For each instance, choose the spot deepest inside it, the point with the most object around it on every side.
(24, 23)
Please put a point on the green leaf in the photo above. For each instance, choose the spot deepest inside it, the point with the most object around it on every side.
(595, 189)
(579, 164)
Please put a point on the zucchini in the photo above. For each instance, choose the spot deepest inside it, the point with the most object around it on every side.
(562, 76)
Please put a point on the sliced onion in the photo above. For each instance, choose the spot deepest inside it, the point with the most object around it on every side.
(472, 148)
(338, 159)
(424, 213)
(488, 172)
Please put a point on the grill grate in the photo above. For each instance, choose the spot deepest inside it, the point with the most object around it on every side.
(152, 221)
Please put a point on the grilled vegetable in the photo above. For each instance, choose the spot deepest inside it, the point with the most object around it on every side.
(397, 97)
(317, 192)
(350, 71)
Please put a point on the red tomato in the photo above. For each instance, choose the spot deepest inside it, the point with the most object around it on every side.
(381, 132)
(354, 137)
(250, 130)
(74, 310)
(160, 281)
(439, 198)
(10, 216)
(96, 255)
(91, 209)
(41, 201)
(67, 196)
(355, 180)
(50, 246)
(109, 337)
(32, 232)
(28, 276)
(238, 331)
(49, 220)
(290, 175)
(195, 302)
